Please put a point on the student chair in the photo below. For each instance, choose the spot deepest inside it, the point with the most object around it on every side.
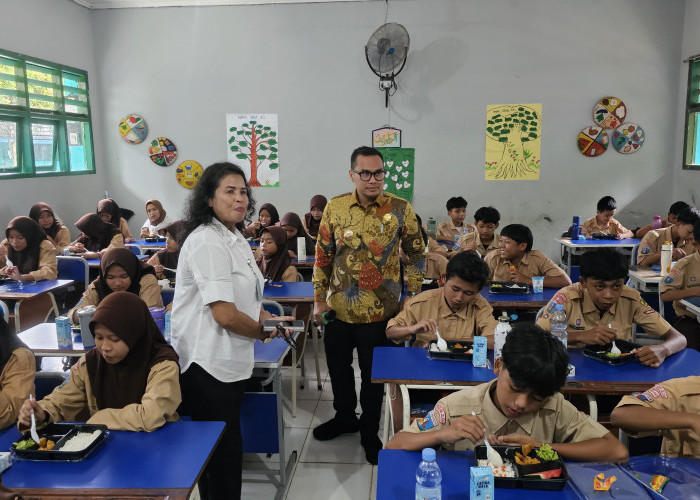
(34, 310)
(134, 248)
(5, 312)
(76, 269)
(46, 382)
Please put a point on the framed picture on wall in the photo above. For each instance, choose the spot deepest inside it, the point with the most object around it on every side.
(386, 137)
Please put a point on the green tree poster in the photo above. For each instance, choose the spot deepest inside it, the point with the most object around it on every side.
(399, 165)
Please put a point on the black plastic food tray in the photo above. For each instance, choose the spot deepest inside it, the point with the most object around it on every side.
(520, 481)
(154, 239)
(603, 236)
(597, 352)
(60, 433)
(6, 280)
(508, 287)
(453, 353)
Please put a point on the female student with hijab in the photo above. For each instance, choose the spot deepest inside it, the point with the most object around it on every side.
(291, 223)
(217, 316)
(96, 237)
(165, 261)
(267, 216)
(156, 219)
(312, 219)
(129, 381)
(32, 256)
(274, 261)
(109, 211)
(121, 271)
(56, 232)
(17, 367)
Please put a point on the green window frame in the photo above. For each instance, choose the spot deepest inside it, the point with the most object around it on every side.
(691, 143)
(45, 121)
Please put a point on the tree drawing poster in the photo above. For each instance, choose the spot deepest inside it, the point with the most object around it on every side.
(253, 145)
(513, 135)
(399, 164)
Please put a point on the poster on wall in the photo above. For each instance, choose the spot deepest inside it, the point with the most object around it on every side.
(386, 137)
(253, 144)
(513, 140)
(399, 165)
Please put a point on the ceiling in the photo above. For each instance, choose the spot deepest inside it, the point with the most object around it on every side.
(134, 4)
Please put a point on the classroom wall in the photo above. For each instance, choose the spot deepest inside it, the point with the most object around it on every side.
(58, 31)
(686, 182)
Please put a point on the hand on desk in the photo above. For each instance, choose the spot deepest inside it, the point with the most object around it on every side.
(651, 355)
(12, 272)
(518, 277)
(77, 248)
(24, 419)
(465, 427)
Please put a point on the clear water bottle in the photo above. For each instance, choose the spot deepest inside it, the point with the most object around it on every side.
(657, 224)
(428, 477)
(166, 328)
(457, 237)
(558, 323)
(499, 336)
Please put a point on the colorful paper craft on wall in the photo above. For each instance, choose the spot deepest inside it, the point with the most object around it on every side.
(513, 140)
(609, 112)
(188, 174)
(400, 165)
(628, 138)
(592, 141)
(133, 129)
(162, 151)
(386, 137)
(253, 144)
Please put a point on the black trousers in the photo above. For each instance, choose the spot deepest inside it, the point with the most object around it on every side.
(690, 328)
(206, 398)
(340, 340)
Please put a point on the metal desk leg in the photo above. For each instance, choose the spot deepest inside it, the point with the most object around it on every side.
(387, 413)
(277, 387)
(294, 383)
(592, 407)
(624, 438)
(406, 406)
(314, 335)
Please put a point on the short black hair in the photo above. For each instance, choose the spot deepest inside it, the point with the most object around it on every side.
(422, 229)
(604, 264)
(689, 215)
(519, 233)
(363, 151)
(677, 207)
(487, 215)
(469, 267)
(456, 202)
(535, 360)
(606, 203)
(696, 231)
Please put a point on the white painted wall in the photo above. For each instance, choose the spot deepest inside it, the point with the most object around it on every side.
(58, 31)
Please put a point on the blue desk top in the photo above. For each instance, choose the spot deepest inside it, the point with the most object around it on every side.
(693, 300)
(147, 244)
(595, 243)
(171, 457)
(34, 288)
(310, 261)
(494, 298)
(269, 353)
(284, 290)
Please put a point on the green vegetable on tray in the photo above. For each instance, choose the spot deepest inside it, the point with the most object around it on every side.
(25, 444)
(546, 453)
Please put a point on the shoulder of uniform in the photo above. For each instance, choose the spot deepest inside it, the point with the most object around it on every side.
(47, 245)
(427, 296)
(537, 254)
(630, 293)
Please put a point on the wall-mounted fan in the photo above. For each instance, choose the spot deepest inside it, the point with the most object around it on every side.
(386, 53)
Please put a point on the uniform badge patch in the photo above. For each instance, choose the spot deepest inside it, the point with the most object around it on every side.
(578, 322)
(692, 279)
(669, 279)
(645, 250)
(657, 392)
(440, 413)
(426, 423)
(642, 397)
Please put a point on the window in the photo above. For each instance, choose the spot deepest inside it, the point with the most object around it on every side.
(691, 150)
(45, 126)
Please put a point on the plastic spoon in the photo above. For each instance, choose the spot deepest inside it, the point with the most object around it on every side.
(32, 430)
(492, 456)
(615, 350)
(442, 345)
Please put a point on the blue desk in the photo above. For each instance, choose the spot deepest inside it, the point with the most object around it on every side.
(519, 301)
(308, 263)
(577, 247)
(148, 245)
(164, 462)
(22, 290)
(693, 305)
(32, 302)
(300, 292)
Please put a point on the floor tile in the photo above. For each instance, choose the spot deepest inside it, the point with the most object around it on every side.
(259, 486)
(305, 412)
(294, 439)
(310, 390)
(331, 482)
(345, 449)
(373, 489)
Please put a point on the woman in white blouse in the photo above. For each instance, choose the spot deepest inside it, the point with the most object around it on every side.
(217, 316)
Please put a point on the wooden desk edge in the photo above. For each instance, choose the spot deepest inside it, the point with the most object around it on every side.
(111, 493)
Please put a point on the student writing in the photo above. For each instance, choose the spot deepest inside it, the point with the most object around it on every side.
(32, 255)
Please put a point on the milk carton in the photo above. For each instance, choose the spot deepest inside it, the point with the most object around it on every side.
(481, 483)
(479, 352)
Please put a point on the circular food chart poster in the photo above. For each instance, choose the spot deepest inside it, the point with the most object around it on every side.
(592, 141)
(628, 138)
(609, 112)
(133, 129)
(162, 151)
(188, 174)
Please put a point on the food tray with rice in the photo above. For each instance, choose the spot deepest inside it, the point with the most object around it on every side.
(456, 351)
(509, 287)
(154, 239)
(64, 442)
(522, 471)
(602, 352)
(6, 280)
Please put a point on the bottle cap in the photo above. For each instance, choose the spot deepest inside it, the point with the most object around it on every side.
(428, 455)
(504, 317)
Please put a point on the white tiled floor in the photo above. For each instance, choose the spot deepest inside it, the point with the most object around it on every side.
(327, 470)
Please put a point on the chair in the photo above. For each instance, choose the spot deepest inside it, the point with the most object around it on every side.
(76, 269)
(46, 382)
(134, 248)
(34, 310)
(5, 312)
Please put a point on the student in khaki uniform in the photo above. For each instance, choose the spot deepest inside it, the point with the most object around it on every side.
(603, 222)
(129, 381)
(32, 255)
(516, 261)
(522, 406)
(109, 211)
(682, 282)
(485, 239)
(680, 234)
(600, 309)
(96, 237)
(56, 232)
(457, 211)
(121, 271)
(456, 310)
(17, 368)
(436, 257)
(671, 409)
(274, 261)
(670, 219)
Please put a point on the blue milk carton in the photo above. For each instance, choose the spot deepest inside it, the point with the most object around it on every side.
(479, 352)
(481, 483)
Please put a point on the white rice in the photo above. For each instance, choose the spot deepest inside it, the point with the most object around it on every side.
(80, 441)
(506, 471)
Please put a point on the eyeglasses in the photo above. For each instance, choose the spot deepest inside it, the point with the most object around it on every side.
(366, 175)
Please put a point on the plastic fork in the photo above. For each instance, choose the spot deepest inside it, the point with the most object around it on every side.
(492, 456)
(32, 430)
(615, 350)
(441, 343)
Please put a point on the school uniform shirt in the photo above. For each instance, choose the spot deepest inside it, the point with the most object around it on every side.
(16, 382)
(558, 421)
(290, 275)
(117, 241)
(48, 265)
(644, 230)
(582, 314)
(149, 291)
(653, 240)
(474, 320)
(614, 227)
(215, 264)
(678, 394)
(533, 263)
(483, 250)
(149, 228)
(62, 240)
(449, 230)
(435, 266)
(124, 228)
(158, 404)
(684, 274)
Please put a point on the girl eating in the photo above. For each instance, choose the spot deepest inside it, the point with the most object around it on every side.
(291, 223)
(17, 367)
(56, 232)
(109, 211)
(165, 261)
(97, 236)
(267, 216)
(32, 256)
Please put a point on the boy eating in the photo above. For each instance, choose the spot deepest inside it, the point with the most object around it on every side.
(457, 211)
(485, 239)
(680, 234)
(604, 221)
(670, 219)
